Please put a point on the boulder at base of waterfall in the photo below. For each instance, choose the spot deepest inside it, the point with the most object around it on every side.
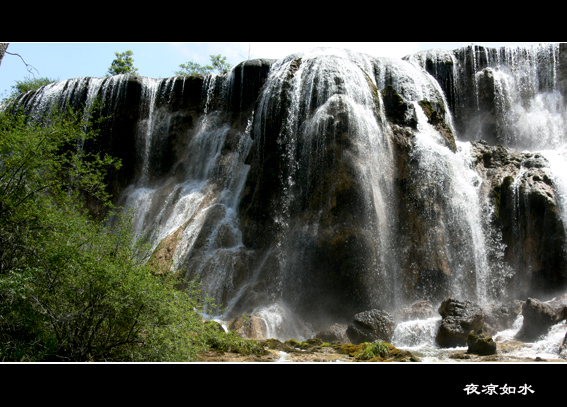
(459, 318)
(540, 316)
(335, 333)
(481, 345)
(418, 310)
(371, 326)
(501, 317)
(249, 327)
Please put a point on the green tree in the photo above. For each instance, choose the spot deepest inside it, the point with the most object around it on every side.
(123, 64)
(73, 288)
(28, 84)
(219, 64)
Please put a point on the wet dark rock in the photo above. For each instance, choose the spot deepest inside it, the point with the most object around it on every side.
(335, 333)
(481, 345)
(527, 217)
(563, 348)
(459, 318)
(370, 326)
(397, 109)
(540, 316)
(248, 78)
(422, 215)
(249, 327)
(499, 317)
(437, 120)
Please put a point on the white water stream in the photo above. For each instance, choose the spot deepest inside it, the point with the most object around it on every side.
(418, 337)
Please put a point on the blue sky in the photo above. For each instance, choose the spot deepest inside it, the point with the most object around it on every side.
(62, 61)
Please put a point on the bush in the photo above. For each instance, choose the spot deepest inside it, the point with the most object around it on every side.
(73, 288)
(26, 85)
(219, 64)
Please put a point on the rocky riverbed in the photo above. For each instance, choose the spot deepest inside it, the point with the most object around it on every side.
(311, 351)
(315, 351)
(523, 331)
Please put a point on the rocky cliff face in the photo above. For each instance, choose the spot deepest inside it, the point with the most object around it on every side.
(330, 183)
(528, 217)
(506, 101)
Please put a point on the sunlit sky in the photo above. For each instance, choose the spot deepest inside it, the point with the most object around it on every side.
(62, 61)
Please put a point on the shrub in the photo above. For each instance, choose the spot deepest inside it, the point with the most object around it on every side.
(73, 288)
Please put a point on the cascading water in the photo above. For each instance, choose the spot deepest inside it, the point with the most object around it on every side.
(529, 112)
(175, 211)
(316, 203)
(455, 180)
(312, 93)
(446, 177)
(532, 108)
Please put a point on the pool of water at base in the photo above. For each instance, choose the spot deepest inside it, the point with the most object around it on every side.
(418, 337)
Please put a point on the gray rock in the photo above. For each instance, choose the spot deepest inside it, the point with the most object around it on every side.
(459, 318)
(371, 326)
(540, 316)
(481, 345)
(501, 317)
(335, 333)
(249, 327)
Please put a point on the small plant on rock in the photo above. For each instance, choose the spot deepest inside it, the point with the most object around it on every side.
(372, 350)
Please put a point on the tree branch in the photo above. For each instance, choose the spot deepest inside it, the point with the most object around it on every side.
(28, 66)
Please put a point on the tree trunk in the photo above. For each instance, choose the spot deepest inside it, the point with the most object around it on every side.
(3, 48)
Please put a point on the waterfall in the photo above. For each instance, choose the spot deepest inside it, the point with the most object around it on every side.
(298, 198)
(174, 210)
(531, 113)
(146, 128)
(450, 175)
(459, 232)
(531, 107)
(324, 97)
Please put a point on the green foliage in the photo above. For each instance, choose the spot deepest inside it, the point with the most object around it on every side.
(219, 64)
(192, 69)
(73, 288)
(123, 64)
(28, 84)
(372, 350)
(231, 342)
